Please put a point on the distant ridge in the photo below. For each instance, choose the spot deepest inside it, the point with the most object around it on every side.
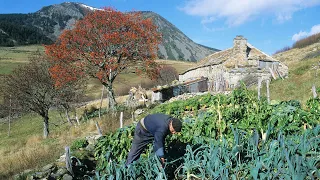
(45, 25)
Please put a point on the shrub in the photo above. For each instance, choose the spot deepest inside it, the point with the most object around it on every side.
(307, 41)
(312, 55)
(79, 143)
(287, 48)
(301, 70)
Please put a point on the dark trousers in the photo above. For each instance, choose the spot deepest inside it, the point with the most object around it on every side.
(140, 141)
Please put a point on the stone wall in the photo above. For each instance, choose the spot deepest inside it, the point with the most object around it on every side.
(208, 71)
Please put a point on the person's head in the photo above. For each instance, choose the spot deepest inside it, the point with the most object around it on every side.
(175, 125)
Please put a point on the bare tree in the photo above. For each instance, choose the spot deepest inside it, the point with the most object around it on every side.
(167, 74)
(69, 96)
(32, 88)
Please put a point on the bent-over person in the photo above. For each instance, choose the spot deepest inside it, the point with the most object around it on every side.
(153, 128)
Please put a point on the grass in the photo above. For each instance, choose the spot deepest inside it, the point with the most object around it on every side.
(298, 85)
(26, 149)
(11, 57)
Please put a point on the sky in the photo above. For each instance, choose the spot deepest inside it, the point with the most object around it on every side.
(269, 25)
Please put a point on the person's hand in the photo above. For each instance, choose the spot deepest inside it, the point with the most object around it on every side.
(162, 162)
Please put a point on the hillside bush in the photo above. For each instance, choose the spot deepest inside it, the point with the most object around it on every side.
(301, 70)
(287, 48)
(307, 41)
(315, 38)
(79, 143)
(311, 55)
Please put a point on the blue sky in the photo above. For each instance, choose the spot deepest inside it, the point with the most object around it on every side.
(269, 25)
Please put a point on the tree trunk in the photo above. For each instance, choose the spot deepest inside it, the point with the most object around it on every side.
(68, 117)
(101, 99)
(45, 126)
(112, 101)
(75, 114)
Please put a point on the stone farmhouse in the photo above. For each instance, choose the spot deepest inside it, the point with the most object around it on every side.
(225, 69)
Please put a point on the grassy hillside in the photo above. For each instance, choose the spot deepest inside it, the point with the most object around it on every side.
(11, 57)
(302, 74)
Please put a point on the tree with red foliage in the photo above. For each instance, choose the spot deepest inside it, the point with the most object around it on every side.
(102, 45)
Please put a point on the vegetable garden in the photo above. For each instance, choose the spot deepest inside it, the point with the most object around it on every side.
(233, 136)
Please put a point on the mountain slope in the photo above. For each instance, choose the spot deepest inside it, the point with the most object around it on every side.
(177, 45)
(299, 54)
(48, 23)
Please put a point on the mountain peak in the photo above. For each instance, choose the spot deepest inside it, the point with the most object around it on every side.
(89, 7)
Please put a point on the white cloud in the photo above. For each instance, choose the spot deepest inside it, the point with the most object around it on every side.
(302, 34)
(213, 29)
(236, 12)
(207, 20)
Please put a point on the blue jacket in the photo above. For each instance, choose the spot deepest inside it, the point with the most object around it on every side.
(158, 126)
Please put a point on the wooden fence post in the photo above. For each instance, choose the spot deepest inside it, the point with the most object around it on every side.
(98, 128)
(9, 118)
(272, 73)
(268, 91)
(314, 91)
(68, 160)
(259, 87)
(121, 119)
(133, 116)
(279, 74)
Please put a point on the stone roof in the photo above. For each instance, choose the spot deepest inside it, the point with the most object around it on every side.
(257, 54)
(248, 52)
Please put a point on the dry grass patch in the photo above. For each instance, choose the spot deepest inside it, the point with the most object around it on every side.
(27, 157)
(26, 149)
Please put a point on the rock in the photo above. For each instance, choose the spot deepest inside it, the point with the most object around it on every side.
(62, 158)
(27, 171)
(23, 174)
(90, 148)
(67, 177)
(93, 139)
(40, 175)
(17, 176)
(48, 167)
(138, 112)
(61, 171)
(31, 178)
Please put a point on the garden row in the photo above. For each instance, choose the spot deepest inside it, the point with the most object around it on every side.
(224, 136)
